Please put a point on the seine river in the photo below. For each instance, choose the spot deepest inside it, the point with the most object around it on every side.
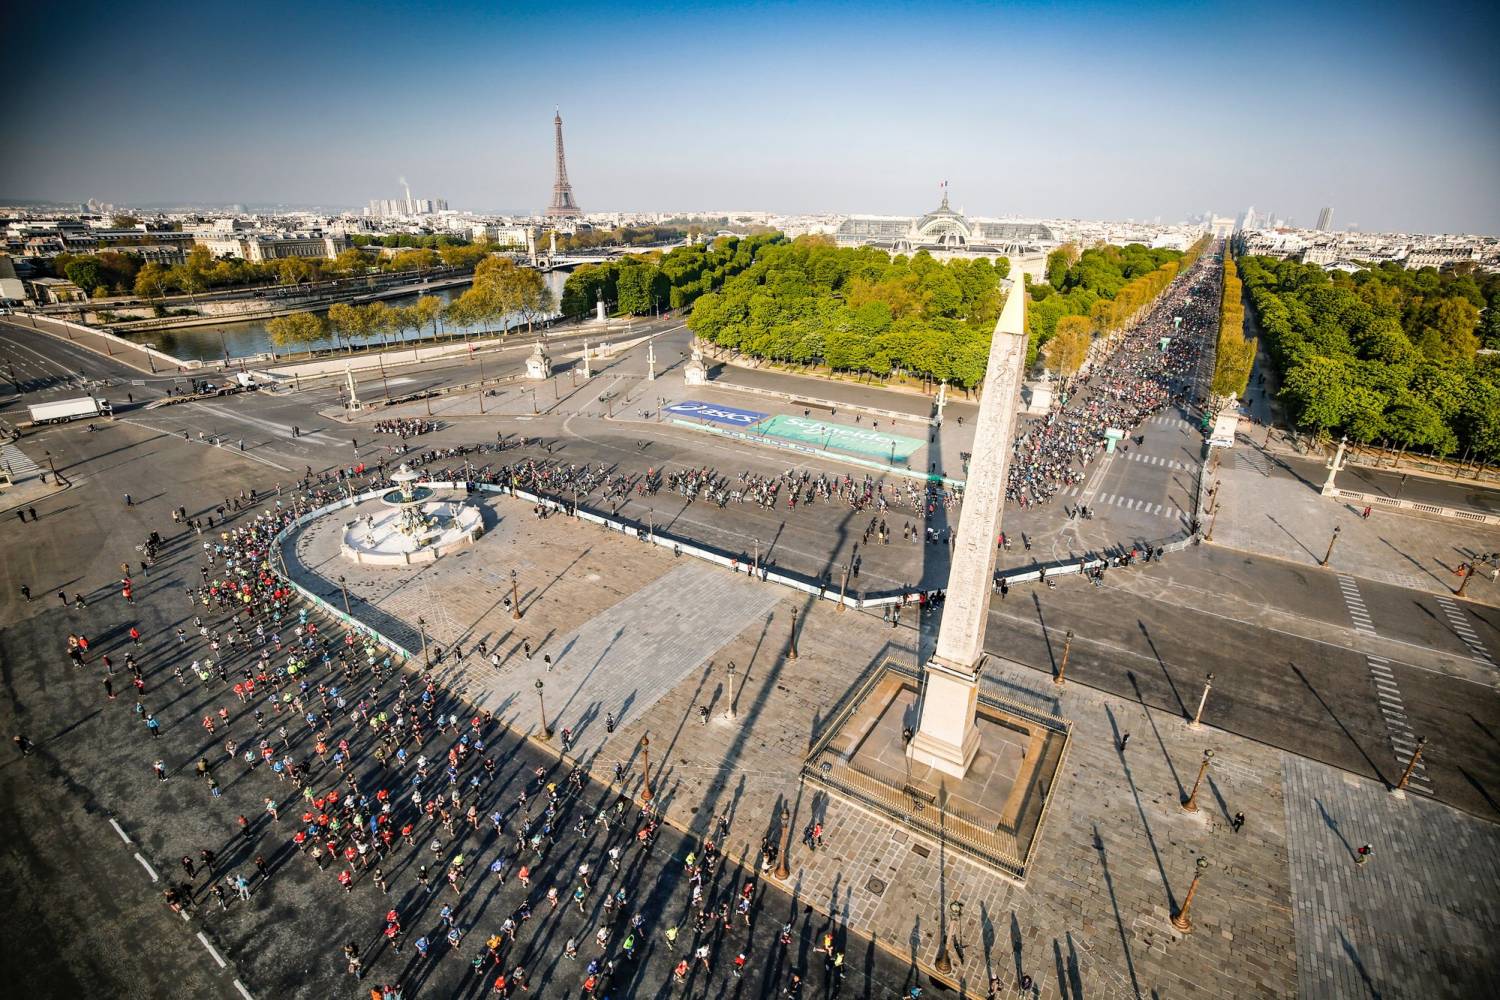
(251, 337)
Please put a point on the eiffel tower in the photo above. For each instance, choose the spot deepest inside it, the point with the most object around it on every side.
(563, 206)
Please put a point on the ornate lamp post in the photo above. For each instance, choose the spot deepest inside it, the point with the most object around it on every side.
(645, 769)
(1180, 919)
(1410, 765)
(345, 591)
(791, 651)
(515, 598)
(1191, 805)
(1208, 684)
(1329, 554)
(546, 729)
(1062, 667)
(786, 829)
(729, 709)
(422, 626)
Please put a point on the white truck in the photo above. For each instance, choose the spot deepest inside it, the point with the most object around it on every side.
(68, 409)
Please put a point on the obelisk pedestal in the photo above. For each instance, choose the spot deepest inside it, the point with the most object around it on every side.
(946, 737)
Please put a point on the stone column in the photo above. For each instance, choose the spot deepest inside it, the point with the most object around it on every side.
(946, 737)
(1335, 467)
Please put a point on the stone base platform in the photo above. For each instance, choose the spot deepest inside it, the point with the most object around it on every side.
(993, 814)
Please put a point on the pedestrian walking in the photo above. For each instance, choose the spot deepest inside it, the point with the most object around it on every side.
(1237, 822)
(160, 767)
(1363, 854)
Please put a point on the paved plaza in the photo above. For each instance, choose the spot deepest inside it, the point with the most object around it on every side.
(649, 637)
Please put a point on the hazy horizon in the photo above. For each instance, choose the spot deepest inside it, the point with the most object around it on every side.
(1091, 111)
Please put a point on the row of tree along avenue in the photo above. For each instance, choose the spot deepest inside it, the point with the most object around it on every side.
(640, 284)
(122, 272)
(1097, 293)
(862, 310)
(1385, 354)
(502, 294)
(1234, 356)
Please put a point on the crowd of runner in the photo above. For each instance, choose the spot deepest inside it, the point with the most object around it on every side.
(1137, 380)
(407, 427)
(371, 774)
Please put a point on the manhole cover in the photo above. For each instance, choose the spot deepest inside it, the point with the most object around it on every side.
(875, 886)
(921, 850)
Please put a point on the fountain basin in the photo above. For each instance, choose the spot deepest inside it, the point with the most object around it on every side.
(416, 531)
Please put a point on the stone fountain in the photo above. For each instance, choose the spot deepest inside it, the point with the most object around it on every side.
(414, 527)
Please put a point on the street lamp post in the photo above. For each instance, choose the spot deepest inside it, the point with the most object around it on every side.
(1208, 684)
(843, 587)
(791, 650)
(345, 591)
(1180, 918)
(645, 769)
(1410, 765)
(422, 626)
(755, 566)
(782, 871)
(729, 709)
(515, 598)
(1062, 667)
(1191, 805)
(542, 704)
(1213, 519)
(1329, 554)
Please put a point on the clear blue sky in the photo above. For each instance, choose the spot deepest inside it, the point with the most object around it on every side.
(1388, 112)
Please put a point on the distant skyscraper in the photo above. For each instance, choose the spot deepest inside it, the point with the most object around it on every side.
(563, 206)
(1325, 220)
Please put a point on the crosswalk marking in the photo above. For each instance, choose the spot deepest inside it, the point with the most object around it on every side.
(1460, 623)
(21, 467)
(1355, 605)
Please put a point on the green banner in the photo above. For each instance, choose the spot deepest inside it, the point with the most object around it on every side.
(860, 440)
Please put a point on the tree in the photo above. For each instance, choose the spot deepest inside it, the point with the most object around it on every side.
(1058, 262)
(86, 273)
(380, 318)
(349, 320)
(426, 310)
(352, 261)
(1069, 347)
(465, 256)
(300, 328)
(414, 260)
(151, 281)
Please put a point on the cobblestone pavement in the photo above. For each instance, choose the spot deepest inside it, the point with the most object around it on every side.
(1420, 919)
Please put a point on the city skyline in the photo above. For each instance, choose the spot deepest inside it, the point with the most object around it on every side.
(1027, 110)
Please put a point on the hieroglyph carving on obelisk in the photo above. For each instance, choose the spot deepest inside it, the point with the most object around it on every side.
(946, 737)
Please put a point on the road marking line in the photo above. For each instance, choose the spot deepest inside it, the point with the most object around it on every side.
(215, 954)
(118, 830)
(147, 865)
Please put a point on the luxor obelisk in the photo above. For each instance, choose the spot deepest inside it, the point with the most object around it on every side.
(947, 737)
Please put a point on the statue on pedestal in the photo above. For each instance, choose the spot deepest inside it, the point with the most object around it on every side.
(539, 365)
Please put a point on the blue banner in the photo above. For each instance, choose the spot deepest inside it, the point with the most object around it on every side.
(717, 413)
